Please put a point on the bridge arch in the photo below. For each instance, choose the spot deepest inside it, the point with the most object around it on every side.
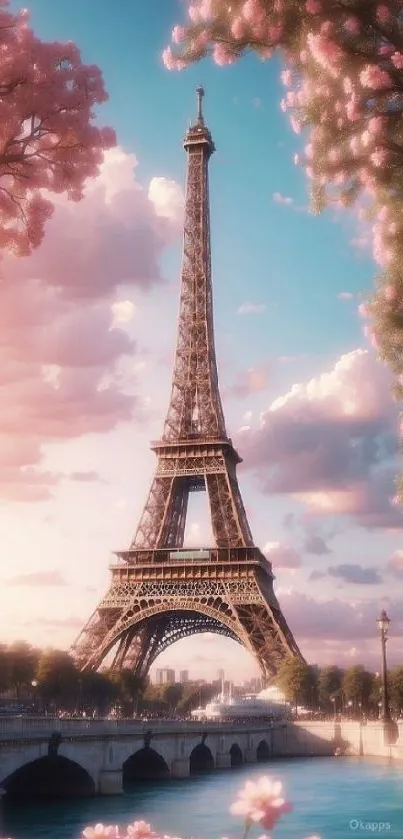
(236, 755)
(201, 760)
(263, 751)
(146, 764)
(52, 776)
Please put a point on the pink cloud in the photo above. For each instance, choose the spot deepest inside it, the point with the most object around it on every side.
(113, 237)
(248, 382)
(60, 341)
(38, 578)
(282, 556)
(85, 477)
(341, 626)
(331, 443)
(395, 564)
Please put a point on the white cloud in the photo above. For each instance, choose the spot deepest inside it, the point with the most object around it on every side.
(345, 295)
(278, 198)
(123, 311)
(251, 308)
(168, 200)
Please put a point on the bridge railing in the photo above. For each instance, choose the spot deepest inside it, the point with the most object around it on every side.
(20, 727)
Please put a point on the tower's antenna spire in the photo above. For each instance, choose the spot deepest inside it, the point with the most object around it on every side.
(200, 94)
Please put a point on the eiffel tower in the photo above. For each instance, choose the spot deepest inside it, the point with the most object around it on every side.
(160, 591)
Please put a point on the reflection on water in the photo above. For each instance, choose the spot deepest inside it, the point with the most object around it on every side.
(334, 798)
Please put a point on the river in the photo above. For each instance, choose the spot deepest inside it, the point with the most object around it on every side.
(334, 798)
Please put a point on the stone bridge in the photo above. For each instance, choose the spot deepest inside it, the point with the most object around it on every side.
(83, 757)
(78, 757)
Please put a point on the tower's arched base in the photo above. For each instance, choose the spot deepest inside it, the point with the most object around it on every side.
(141, 619)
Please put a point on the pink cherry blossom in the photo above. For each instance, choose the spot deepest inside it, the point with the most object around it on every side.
(352, 110)
(390, 293)
(178, 34)
(363, 310)
(327, 27)
(334, 156)
(379, 157)
(355, 146)
(222, 55)
(238, 28)
(295, 125)
(194, 14)
(309, 151)
(313, 7)
(101, 831)
(374, 78)
(252, 11)
(139, 830)
(206, 9)
(377, 125)
(170, 61)
(382, 14)
(366, 138)
(397, 60)
(353, 25)
(261, 802)
(297, 159)
(286, 77)
(383, 213)
(385, 49)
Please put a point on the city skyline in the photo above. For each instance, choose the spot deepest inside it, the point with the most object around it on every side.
(306, 401)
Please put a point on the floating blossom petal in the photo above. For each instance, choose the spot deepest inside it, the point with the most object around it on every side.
(261, 802)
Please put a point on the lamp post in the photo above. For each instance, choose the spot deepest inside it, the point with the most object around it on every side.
(383, 623)
(34, 685)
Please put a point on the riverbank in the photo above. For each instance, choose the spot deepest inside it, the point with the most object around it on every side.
(318, 738)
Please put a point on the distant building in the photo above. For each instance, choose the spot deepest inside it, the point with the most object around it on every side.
(183, 676)
(221, 675)
(164, 676)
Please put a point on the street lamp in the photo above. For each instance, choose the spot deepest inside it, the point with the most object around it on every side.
(383, 623)
(34, 685)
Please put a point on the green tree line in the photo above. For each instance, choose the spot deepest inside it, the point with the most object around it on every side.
(49, 680)
(332, 689)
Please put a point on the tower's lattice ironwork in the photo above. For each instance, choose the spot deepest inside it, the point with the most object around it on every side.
(161, 592)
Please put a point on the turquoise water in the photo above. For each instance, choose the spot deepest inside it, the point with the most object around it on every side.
(332, 797)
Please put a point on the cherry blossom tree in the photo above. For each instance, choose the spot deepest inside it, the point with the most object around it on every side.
(343, 74)
(48, 141)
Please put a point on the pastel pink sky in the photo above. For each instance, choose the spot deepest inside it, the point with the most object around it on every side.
(87, 332)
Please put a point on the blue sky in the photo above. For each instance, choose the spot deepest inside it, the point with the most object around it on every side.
(270, 252)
